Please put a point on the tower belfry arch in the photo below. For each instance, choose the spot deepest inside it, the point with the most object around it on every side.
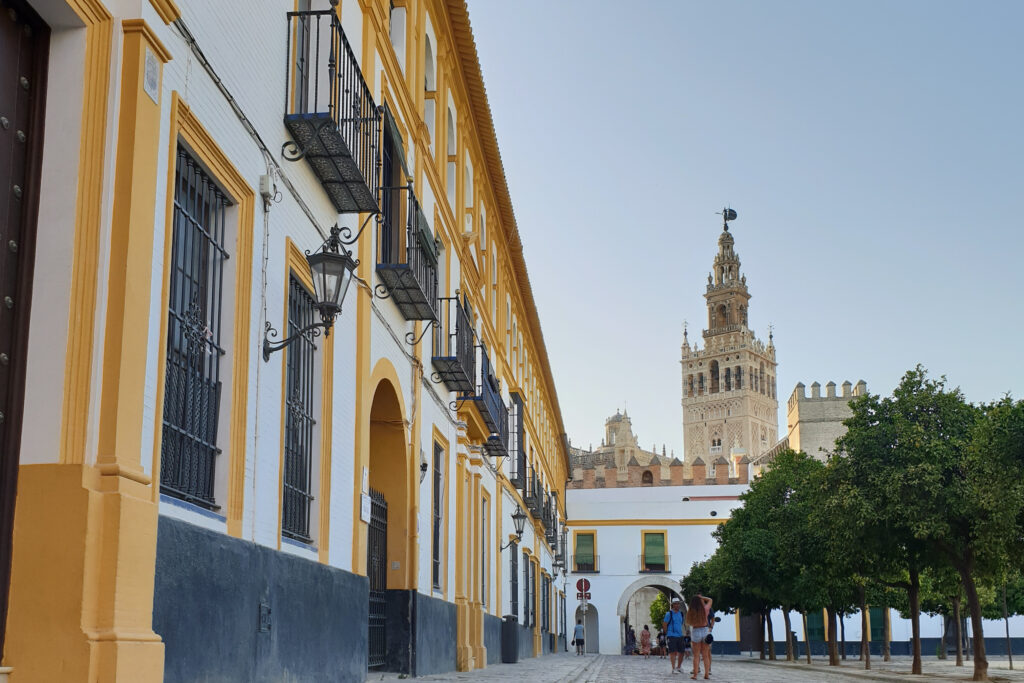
(730, 408)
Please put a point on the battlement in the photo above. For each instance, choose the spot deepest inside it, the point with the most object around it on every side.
(850, 391)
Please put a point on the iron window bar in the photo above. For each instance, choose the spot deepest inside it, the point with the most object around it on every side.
(517, 441)
(193, 386)
(299, 422)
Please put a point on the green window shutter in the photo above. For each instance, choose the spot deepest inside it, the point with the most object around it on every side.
(877, 617)
(815, 625)
(654, 549)
(584, 549)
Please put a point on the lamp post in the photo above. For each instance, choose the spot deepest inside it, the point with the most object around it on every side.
(519, 520)
(331, 267)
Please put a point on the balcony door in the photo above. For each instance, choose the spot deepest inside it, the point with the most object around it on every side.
(24, 44)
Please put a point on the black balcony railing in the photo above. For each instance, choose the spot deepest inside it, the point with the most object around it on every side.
(657, 564)
(454, 358)
(516, 442)
(551, 528)
(534, 493)
(334, 123)
(407, 260)
(585, 564)
(493, 411)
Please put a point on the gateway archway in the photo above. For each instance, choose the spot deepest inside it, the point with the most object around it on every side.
(591, 643)
(636, 616)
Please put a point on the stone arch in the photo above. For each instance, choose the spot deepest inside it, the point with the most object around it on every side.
(390, 466)
(662, 583)
(647, 479)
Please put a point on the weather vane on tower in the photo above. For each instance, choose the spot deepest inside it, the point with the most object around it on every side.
(727, 215)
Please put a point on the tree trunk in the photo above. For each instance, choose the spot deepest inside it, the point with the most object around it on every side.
(914, 595)
(842, 634)
(1006, 620)
(974, 605)
(790, 655)
(865, 648)
(959, 631)
(807, 640)
(886, 652)
(760, 636)
(833, 649)
(942, 636)
(771, 634)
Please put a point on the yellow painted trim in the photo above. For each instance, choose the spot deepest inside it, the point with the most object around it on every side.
(126, 325)
(167, 9)
(642, 522)
(88, 208)
(363, 392)
(326, 449)
(187, 128)
(496, 548)
(643, 543)
(486, 560)
(140, 26)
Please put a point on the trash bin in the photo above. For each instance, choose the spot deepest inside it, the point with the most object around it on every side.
(509, 639)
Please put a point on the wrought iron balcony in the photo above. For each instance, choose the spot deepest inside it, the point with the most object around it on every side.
(585, 564)
(454, 358)
(654, 564)
(407, 260)
(516, 442)
(334, 123)
(534, 493)
(493, 411)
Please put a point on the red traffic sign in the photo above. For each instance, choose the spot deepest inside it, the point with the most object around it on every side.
(580, 596)
(583, 585)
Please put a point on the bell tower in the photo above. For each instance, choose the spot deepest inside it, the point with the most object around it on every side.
(730, 409)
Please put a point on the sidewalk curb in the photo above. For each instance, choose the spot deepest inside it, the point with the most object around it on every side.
(871, 675)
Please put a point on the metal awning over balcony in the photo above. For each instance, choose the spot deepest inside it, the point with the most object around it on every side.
(332, 118)
(407, 260)
(454, 358)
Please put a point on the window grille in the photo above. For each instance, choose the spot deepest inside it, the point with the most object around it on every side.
(514, 578)
(299, 421)
(436, 526)
(195, 316)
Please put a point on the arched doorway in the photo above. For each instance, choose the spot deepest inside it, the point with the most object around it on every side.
(590, 628)
(634, 604)
(388, 538)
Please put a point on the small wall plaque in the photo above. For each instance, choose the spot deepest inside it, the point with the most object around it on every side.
(151, 79)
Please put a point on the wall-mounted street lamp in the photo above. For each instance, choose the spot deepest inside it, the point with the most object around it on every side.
(332, 267)
(519, 519)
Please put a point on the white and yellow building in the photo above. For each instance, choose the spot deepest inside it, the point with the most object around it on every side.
(177, 504)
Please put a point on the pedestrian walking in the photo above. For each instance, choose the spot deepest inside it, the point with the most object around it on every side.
(662, 645)
(673, 624)
(577, 637)
(697, 618)
(645, 642)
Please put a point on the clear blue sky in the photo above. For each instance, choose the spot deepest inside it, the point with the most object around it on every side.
(873, 151)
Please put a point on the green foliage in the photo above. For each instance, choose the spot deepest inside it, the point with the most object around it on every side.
(658, 609)
(922, 500)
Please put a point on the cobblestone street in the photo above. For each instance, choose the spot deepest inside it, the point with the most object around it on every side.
(565, 668)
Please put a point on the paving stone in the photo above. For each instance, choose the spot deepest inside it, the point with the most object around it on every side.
(569, 668)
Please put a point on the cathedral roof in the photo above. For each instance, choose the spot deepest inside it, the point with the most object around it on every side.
(744, 460)
(633, 462)
(721, 461)
(698, 461)
(654, 461)
(675, 462)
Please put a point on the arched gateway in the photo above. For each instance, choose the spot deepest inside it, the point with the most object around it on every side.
(660, 582)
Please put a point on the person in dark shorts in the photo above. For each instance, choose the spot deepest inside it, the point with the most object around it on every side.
(673, 625)
(577, 637)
